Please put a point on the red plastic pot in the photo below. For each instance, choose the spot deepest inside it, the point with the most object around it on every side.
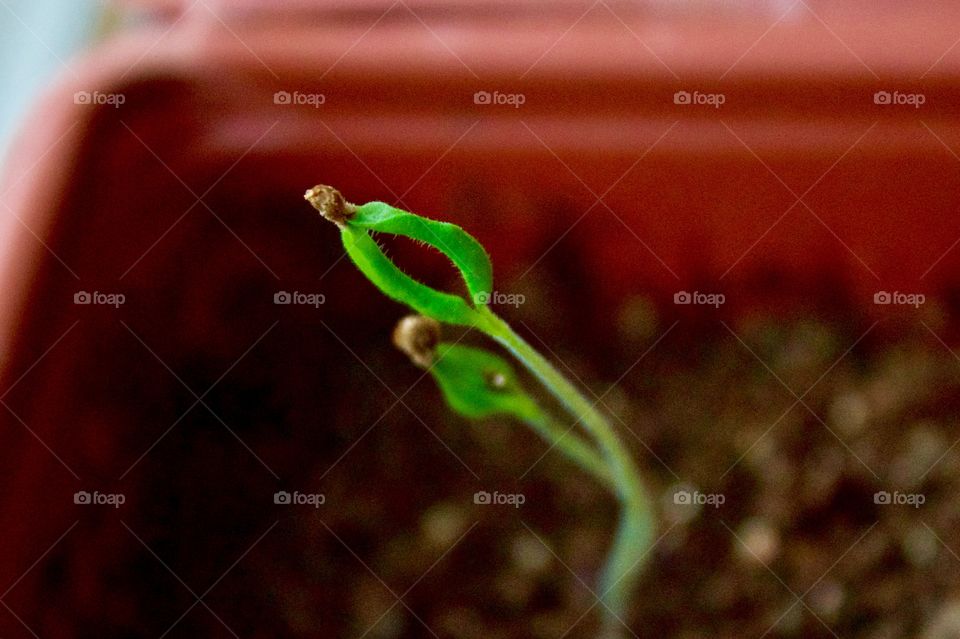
(799, 191)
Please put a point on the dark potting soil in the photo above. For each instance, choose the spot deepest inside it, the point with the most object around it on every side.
(804, 491)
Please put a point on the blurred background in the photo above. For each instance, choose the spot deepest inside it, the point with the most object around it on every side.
(36, 40)
(732, 223)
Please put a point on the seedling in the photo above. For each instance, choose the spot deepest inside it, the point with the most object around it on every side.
(479, 384)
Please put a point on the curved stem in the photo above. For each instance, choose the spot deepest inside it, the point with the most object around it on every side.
(636, 522)
(570, 444)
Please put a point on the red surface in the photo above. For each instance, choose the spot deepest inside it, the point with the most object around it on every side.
(710, 207)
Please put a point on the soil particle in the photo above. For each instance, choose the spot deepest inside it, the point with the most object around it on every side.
(945, 624)
(759, 542)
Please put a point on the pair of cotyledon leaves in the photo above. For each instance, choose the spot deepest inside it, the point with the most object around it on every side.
(475, 383)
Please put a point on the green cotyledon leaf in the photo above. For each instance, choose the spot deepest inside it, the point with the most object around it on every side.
(466, 253)
(357, 223)
(479, 384)
(397, 285)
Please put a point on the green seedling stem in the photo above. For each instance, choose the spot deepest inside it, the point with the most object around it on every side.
(479, 384)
